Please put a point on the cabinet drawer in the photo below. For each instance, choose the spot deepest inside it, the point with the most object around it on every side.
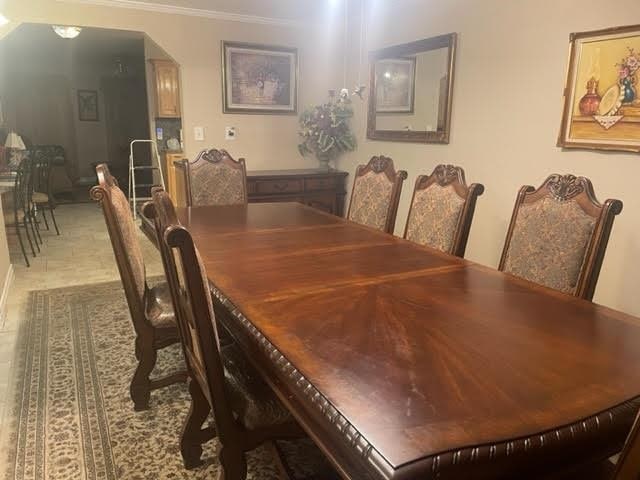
(279, 186)
(322, 183)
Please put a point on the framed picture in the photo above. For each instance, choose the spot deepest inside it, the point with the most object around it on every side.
(395, 85)
(88, 106)
(259, 79)
(602, 96)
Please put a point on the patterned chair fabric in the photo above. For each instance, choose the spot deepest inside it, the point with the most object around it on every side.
(129, 235)
(214, 178)
(434, 216)
(375, 194)
(554, 239)
(442, 210)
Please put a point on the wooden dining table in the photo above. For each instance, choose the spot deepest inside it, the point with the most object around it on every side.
(402, 362)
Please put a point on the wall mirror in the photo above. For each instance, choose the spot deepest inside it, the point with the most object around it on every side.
(411, 88)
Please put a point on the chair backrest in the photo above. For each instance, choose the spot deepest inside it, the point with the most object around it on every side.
(215, 178)
(22, 186)
(628, 465)
(190, 289)
(124, 240)
(558, 235)
(442, 209)
(376, 193)
(41, 168)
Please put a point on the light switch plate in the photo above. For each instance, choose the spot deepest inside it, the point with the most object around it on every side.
(230, 133)
(198, 134)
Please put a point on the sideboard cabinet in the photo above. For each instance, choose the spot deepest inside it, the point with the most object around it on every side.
(321, 189)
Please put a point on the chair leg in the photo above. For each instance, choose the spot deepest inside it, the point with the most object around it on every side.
(140, 388)
(44, 217)
(25, 223)
(34, 217)
(233, 464)
(53, 217)
(193, 435)
(24, 252)
(33, 230)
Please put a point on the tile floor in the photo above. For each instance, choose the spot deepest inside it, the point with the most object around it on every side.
(81, 254)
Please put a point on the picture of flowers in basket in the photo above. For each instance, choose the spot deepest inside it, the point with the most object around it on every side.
(602, 104)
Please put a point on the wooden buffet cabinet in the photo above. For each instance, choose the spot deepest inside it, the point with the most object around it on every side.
(321, 189)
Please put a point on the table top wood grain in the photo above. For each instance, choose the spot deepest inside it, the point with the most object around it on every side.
(411, 357)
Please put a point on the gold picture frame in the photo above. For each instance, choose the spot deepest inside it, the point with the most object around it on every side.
(601, 107)
(259, 79)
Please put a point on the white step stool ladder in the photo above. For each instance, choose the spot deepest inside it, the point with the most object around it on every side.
(133, 168)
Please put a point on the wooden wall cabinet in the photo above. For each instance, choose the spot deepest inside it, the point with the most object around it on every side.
(321, 189)
(167, 85)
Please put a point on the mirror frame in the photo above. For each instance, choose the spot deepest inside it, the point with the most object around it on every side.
(442, 41)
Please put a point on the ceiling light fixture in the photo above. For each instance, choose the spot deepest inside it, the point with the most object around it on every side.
(66, 31)
(3, 20)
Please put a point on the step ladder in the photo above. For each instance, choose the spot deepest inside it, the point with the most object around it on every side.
(133, 168)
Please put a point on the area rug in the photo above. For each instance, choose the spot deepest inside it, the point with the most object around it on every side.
(72, 417)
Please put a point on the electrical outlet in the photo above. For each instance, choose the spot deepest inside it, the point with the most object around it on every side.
(230, 133)
(198, 134)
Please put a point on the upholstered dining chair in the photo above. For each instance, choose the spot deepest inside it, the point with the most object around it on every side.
(151, 308)
(247, 414)
(214, 178)
(42, 192)
(442, 209)
(558, 235)
(376, 193)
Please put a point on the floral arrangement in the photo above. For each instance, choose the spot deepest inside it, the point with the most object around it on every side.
(325, 130)
(629, 65)
(626, 76)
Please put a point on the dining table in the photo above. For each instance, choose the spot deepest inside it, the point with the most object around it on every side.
(403, 362)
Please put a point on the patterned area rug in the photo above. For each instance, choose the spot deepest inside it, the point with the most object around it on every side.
(73, 417)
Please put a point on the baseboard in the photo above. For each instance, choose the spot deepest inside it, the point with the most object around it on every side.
(4, 298)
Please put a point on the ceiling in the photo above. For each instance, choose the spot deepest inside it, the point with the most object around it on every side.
(290, 10)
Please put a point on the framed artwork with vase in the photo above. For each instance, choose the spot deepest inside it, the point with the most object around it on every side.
(601, 96)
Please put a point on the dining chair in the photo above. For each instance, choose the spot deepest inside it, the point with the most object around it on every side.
(41, 156)
(247, 413)
(558, 235)
(376, 194)
(152, 314)
(214, 178)
(442, 209)
(627, 467)
(18, 218)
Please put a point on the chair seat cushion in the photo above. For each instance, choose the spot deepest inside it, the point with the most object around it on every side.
(160, 306)
(255, 405)
(39, 197)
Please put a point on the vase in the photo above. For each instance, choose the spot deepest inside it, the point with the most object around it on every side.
(628, 91)
(591, 101)
(324, 163)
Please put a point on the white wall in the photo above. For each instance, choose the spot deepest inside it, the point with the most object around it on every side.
(507, 104)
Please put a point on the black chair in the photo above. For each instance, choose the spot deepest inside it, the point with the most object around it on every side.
(41, 157)
(21, 204)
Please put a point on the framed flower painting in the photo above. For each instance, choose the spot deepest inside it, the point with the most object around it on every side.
(602, 93)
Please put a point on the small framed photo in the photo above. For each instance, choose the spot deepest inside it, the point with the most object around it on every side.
(395, 85)
(259, 79)
(602, 97)
(88, 106)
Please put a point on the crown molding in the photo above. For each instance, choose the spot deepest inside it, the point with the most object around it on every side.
(192, 12)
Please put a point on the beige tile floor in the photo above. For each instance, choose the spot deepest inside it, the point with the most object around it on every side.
(80, 255)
